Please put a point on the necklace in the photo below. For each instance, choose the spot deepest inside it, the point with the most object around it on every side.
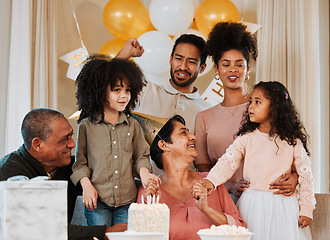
(232, 113)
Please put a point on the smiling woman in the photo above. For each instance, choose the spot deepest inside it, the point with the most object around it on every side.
(231, 48)
(173, 149)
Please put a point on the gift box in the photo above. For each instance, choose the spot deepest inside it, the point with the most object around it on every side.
(33, 210)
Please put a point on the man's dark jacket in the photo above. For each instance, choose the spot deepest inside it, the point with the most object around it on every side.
(21, 162)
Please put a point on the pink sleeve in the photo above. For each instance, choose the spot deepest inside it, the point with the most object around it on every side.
(229, 208)
(230, 219)
(306, 194)
(201, 145)
(228, 163)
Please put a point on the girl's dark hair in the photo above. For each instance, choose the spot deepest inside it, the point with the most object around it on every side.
(97, 74)
(226, 36)
(164, 134)
(285, 121)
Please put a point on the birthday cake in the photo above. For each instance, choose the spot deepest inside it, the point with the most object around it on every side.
(149, 218)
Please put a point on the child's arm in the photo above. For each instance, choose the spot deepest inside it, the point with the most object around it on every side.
(145, 176)
(80, 168)
(141, 162)
(306, 195)
(228, 163)
(89, 193)
(152, 189)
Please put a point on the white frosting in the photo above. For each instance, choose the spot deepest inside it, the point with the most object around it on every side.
(149, 218)
(225, 230)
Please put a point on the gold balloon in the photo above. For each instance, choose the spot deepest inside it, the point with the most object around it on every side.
(211, 12)
(126, 19)
(112, 47)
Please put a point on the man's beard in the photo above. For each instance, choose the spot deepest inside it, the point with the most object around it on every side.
(183, 83)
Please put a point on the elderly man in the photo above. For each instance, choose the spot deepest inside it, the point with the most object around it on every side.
(46, 151)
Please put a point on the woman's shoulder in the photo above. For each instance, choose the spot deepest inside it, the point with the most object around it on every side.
(214, 112)
(210, 110)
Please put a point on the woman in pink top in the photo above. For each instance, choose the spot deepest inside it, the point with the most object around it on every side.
(272, 141)
(231, 47)
(173, 149)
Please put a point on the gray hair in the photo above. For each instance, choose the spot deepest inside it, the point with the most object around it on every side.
(37, 123)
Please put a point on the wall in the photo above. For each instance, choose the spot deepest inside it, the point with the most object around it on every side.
(5, 19)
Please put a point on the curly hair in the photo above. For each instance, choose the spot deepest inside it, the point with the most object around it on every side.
(193, 40)
(285, 121)
(226, 36)
(37, 123)
(99, 72)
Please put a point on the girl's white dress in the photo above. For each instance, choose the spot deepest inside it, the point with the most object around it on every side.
(267, 215)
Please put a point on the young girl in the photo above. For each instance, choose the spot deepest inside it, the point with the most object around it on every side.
(272, 141)
(110, 144)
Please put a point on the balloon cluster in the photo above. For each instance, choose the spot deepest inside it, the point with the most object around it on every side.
(126, 19)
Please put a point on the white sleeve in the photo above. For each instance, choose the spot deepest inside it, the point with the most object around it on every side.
(228, 163)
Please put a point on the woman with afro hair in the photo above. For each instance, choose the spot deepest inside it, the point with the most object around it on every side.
(231, 48)
(110, 144)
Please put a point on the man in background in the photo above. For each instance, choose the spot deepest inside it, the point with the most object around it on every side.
(178, 95)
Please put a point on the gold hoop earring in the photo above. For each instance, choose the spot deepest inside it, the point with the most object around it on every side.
(247, 77)
(217, 77)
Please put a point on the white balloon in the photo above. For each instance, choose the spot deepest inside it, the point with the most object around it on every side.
(171, 16)
(191, 31)
(196, 4)
(209, 62)
(157, 51)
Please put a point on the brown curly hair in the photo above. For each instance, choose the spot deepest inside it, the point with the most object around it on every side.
(97, 74)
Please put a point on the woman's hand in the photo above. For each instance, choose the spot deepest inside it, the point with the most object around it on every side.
(206, 184)
(89, 194)
(152, 189)
(145, 176)
(238, 188)
(286, 184)
(304, 221)
(199, 192)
